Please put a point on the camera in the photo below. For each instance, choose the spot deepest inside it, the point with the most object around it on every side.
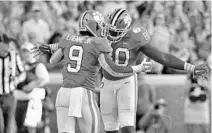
(159, 103)
(156, 107)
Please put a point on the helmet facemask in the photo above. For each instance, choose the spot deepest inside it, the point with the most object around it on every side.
(115, 35)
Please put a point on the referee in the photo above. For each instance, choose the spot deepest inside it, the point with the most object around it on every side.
(11, 72)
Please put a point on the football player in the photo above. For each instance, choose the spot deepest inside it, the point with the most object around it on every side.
(83, 56)
(118, 106)
(128, 43)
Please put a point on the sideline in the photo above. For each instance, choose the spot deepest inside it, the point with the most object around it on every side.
(56, 78)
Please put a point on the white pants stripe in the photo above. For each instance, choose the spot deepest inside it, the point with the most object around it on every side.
(90, 120)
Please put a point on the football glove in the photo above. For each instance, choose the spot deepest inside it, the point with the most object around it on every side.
(145, 66)
(44, 48)
(41, 49)
(203, 71)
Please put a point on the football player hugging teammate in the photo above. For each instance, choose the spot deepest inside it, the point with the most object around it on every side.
(83, 55)
(118, 95)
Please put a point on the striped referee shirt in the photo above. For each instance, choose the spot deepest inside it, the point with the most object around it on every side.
(11, 72)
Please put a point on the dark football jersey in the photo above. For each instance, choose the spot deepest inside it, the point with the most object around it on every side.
(81, 60)
(125, 52)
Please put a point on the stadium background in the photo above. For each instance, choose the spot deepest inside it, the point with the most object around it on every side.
(182, 28)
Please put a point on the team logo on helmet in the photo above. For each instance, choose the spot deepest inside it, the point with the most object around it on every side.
(127, 21)
(93, 22)
(98, 17)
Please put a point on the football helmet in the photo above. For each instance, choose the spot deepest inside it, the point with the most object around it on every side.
(92, 22)
(119, 22)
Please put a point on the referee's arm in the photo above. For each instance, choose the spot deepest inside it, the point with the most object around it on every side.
(20, 68)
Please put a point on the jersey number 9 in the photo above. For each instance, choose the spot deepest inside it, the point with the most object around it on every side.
(75, 54)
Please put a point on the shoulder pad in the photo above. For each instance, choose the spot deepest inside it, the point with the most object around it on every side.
(140, 35)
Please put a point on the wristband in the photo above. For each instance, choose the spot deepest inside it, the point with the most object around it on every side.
(189, 67)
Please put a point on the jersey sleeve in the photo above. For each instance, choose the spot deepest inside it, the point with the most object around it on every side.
(140, 36)
(102, 46)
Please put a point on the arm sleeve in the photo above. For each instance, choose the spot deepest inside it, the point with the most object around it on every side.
(54, 47)
(118, 71)
(163, 58)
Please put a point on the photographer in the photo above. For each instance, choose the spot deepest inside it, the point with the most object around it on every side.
(196, 106)
(146, 98)
(155, 119)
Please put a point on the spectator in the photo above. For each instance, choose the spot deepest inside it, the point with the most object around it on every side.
(194, 16)
(147, 23)
(161, 39)
(177, 19)
(158, 7)
(146, 99)
(183, 46)
(32, 28)
(14, 27)
(108, 7)
(61, 17)
(155, 119)
(196, 107)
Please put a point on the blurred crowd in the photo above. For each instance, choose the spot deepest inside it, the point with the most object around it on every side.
(182, 28)
(179, 27)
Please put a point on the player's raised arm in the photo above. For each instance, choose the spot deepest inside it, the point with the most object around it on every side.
(48, 48)
(167, 59)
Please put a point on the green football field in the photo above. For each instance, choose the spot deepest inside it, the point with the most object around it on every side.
(171, 89)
